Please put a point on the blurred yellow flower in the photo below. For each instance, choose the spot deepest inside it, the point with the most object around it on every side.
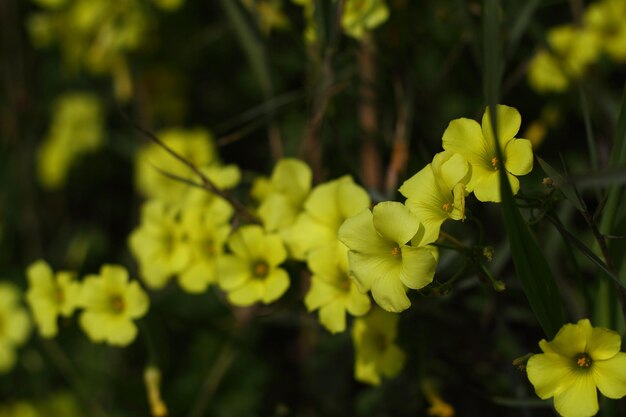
(111, 303)
(478, 146)
(14, 325)
(606, 20)
(206, 230)
(332, 291)
(376, 353)
(159, 244)
(76, 129)
(252, 274)
(50, 296)
(361, 16)
(19, 409)
(325, 209)
(579, 360)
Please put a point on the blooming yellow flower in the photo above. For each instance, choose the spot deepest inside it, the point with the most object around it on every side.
(159, 244)
(381, 259)
(206, 230)
(111, 303)
(361, 16)
(14, 325)
(252, 274)
(282, 197)
(437, 193)
(328, 205)
(376, 353)
(580, 359)
(478, 146)
(332, 291)
(50, 296)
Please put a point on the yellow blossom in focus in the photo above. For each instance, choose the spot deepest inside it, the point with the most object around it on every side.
(381, 260)
(478, 146)
(579, 360)
(361, 16)
(14, 325)
(76, 129)
(437, 193)
(252, 273)
(376, 353)
(159, 244)
(111, 303)
(332, 291)
(50, 296)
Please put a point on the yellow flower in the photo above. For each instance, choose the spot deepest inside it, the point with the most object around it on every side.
(332, 291)
(159, 244)
(328, 205)
(195, 145)
(50, 296)
(361, 16)
(464, 136)
(76, 129)
(376, 353)
(580, 359)
(573, 50)
(252, 274)
(437, 193)
(381, 260)
(282, 197)
(606, 20)
(111, 304)
(14, 325)
(206, 230)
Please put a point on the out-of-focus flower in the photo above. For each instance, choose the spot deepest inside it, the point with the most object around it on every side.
(332, 291)
(580, 360)
(252, 273)
(381, 259)
(50, 296)
(376, 353)
(111, 303)
(14, 325)
(159, 244)
(169, 5)
(478, 146)
(605, 19)
(76, 129)
(361, 16)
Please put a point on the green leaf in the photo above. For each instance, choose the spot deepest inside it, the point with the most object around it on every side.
(531, 266)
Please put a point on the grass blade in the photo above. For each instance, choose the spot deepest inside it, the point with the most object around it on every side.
(531, 266)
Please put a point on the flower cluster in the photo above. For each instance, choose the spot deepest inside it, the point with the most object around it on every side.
(109, 302)
(572, 49)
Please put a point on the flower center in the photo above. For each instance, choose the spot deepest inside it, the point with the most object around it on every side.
(117, 303)
(494, 162)
(447, 207)
(584, 361)
(395, 251)
(260, 269)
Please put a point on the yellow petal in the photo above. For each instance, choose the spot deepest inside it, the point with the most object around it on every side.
(276, 283)
(114, 277)
(277, 212)
(232, 272)
(547, 371)
(452, 168)
(333, 316)
(578, 398)
(357, 303)
(418, 267)
(247, 294)
(389, 292)
(7, 357)
(509, 122)
(320, 293)
(571, 340)
(137, 301)
(351, 198)
(121, 332)
(358, 234)
(464, 136)
(197, 277)
(518, 157)
(292, 178)
(603, 343)
(392, 361)
(306, 234)
(394, 222)
(610, 375)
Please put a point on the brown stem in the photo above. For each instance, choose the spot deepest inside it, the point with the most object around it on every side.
(400, 147)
